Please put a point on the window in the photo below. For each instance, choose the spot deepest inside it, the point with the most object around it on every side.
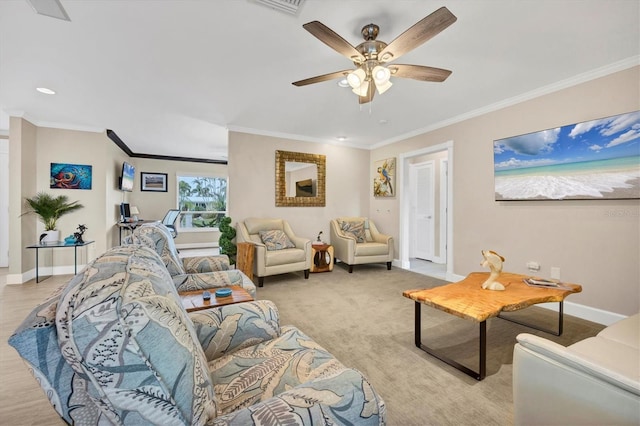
(202, 201)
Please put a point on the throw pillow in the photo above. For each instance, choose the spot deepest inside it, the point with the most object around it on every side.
(355, 228)
(276, 240)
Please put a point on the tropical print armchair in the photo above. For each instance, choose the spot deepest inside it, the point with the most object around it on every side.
(122, 350)
(189, 273)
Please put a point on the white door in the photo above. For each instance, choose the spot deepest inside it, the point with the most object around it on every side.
(423, 210)
(4, 203)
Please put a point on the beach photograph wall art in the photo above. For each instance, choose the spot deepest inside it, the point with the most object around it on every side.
(597, 159)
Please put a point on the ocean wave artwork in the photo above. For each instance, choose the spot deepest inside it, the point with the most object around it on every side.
(597, 159)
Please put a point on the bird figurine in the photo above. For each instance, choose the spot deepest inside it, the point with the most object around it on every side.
(493, 261)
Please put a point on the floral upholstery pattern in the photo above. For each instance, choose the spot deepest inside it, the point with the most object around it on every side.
(36, 340)
(128, 353)
(110, 328)
(158, 237)
(190, 273)
(276, 239)
(355, 228)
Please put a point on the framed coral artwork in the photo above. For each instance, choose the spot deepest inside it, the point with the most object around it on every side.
(70, 176)
(384, 180)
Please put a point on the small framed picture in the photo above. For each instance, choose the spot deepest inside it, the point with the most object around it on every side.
(154, 182)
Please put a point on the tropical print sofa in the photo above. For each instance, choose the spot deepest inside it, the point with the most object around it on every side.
(115, 346)
(189, 273)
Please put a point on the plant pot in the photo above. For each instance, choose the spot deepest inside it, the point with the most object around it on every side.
(51, 237)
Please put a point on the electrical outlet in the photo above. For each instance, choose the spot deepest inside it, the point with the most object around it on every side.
(533, 266)
(555, 273)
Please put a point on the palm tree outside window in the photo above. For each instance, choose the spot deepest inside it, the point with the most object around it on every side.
(202, 201)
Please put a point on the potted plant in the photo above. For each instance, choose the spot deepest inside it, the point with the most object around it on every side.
(50, 209)
(227, 234)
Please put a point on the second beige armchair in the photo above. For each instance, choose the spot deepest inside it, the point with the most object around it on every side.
(357, 241)
(277, 249)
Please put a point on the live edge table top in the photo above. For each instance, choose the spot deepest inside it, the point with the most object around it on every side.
(467, 299)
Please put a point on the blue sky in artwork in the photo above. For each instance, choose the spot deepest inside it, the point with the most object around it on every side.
(611, 137)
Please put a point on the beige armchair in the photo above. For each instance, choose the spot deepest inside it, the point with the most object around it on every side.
(275, 254)
(357, 241)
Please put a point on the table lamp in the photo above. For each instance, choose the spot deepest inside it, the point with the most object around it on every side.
(134, 213)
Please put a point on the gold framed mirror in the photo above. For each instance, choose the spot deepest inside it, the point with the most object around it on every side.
(300, 179)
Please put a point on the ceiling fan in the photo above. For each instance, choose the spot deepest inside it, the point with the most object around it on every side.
(371, 56)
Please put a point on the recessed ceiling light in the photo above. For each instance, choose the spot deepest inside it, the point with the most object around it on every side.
(342, 138)
(343, 82)
(46, 91)
(383, 122)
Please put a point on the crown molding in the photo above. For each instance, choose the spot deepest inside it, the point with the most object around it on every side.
(123, 146)
(536, 93)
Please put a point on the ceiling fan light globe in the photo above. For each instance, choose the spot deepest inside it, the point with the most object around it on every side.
(362, 90)
(356, 78)
(381, 75)
(383, 87)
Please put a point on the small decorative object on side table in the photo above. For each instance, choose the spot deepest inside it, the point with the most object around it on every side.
(321, 257)
(493, 261)
(78, 235)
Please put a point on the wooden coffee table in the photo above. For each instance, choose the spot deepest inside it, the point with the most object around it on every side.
(193, 301)
(467, 299)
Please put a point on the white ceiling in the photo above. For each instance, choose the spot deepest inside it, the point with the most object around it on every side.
(171, 77)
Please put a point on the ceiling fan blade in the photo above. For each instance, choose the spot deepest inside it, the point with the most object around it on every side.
(419, 72)
(422, 31)
(321, 78)
(369, 96)
(333, 40)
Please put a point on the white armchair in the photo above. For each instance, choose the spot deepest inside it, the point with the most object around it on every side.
(277, 256)
(357, 241)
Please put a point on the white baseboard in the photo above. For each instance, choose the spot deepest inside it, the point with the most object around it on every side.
(19, 278)
(588, 313)
(44, 271)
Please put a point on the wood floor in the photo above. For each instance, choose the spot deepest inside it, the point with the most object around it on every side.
(22, 401)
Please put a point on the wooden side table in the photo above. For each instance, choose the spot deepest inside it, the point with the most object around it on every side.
(321, 258)
(244, 258)
(193, 301)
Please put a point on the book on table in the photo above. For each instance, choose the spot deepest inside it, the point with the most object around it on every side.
(543, 282)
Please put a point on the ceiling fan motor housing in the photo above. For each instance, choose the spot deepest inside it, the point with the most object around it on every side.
(370, 49)
(370, 32)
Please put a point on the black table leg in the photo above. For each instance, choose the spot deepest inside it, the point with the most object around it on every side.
(535, 327)
(37, 265)
(482, 349)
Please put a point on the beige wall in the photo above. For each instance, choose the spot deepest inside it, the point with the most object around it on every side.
(595, 243)
(252, 182)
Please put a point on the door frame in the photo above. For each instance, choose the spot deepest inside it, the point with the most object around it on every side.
(405, 207)
(4, 203)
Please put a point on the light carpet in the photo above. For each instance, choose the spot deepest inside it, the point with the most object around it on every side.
(363, 319)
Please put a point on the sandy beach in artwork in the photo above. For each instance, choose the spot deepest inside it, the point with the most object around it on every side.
(577, 184)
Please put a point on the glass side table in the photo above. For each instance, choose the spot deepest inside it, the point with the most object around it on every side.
(57, 245)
